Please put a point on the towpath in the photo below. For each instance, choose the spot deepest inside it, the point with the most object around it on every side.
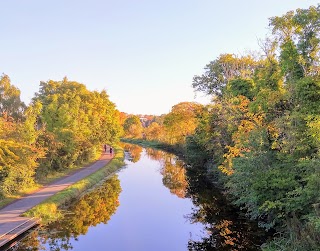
(10, 215)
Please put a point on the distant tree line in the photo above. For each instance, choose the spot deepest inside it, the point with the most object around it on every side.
(171, 128)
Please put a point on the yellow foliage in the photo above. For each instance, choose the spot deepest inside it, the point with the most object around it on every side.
(224, 228)
(226, 166)
(248, 122)
(181, 122)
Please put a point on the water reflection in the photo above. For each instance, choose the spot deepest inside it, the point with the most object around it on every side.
(221, 225)
(155, 154)
(93, 208)
(224, 227)
(227, 229)
(174, 175)
(133, 150)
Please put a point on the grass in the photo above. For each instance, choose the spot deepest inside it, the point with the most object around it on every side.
(156, 145)
(50, 209)
(7, 200)
(142, 142)
(42, 182)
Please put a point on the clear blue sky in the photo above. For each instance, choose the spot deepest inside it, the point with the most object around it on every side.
(143, 52)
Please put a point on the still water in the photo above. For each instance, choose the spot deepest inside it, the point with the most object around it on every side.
(152, 204)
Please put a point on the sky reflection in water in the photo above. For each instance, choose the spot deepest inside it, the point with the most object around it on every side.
(149, 205)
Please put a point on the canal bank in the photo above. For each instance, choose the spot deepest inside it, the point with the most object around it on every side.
(49, 209)
(152, 204)
(44, 204)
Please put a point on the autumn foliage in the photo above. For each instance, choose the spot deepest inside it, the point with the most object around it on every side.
(259, 137)
(64, 125)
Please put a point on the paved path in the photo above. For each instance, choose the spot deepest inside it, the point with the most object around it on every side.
(10, 215)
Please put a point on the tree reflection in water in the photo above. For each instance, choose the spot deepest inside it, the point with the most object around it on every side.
(133, 150)
(174, 175)
(92, 209)
(224, 229)
(155, 154)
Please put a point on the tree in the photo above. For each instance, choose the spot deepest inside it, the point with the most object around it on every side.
(243, 87)
(262, 130)
(10, 104)
(75, 122)
(298, 36)
(132, 127)
(220, 71)
(181, 122)
(154, 132)
(19, 152)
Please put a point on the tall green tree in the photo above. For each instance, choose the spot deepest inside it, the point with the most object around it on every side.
(75, 122)
(220, 71)
(262, 130)
(19, 152)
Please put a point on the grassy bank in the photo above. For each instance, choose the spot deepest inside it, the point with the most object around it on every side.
(42, 181)
(50, 209)
(178, 150)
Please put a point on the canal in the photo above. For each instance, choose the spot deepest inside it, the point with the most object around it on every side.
(154, 203)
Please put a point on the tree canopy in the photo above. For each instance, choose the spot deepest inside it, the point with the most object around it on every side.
(65, 125)
(259, 137)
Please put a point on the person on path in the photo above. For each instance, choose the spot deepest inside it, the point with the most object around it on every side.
(105, 148)
(110, 150)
